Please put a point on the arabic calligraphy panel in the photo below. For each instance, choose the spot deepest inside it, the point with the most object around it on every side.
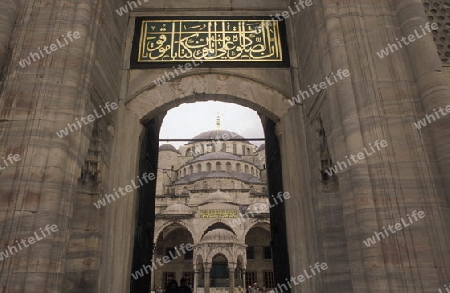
(209, 40)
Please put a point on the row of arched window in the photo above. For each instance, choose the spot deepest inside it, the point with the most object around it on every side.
(198, 168)
(218, 185)
(210, 147)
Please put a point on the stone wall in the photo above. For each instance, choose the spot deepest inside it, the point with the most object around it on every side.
(36, 101)
(381, 100)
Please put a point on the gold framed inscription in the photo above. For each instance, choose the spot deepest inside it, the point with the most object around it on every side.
(219, 214)
(165, 41)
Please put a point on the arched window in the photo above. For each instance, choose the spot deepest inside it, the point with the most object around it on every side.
(218, 166)
(199, 168)
(238, 168)
(218, 184)
(234, 148)
(191, 170)
(208, 167)
(185, 190)
(184, 172)
(246, 169)
(213, 147)
(243, 150)
(224, 147)
(253, 171)
(248, 151)
(188, 152)
(228, 167)
(232, 184)
(205, 185)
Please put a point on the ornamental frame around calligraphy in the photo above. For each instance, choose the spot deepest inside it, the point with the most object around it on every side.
(136, 63)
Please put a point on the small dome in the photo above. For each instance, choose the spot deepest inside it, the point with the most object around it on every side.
(258, 208)
(168, 147)
(218, 196)
(261, 147)
(178, 209)
(219, 236)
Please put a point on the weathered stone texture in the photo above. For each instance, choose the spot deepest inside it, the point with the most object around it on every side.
(382, 99)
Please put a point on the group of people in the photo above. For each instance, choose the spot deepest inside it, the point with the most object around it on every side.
(172, 287)
(256, 289)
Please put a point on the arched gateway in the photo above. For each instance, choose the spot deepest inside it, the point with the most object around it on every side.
(64, 63)
(142, 112)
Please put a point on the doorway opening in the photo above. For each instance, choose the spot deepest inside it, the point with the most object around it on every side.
(207, 193)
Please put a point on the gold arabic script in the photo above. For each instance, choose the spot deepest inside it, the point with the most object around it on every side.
(209, 40)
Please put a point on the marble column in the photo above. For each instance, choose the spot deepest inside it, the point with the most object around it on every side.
(196, 275)
(153, 281)
(231, 278)
(432, 84)
(206, 278)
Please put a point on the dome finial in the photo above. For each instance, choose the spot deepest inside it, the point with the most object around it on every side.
(218, 126)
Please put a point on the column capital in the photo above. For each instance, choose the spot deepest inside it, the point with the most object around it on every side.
(207, 266)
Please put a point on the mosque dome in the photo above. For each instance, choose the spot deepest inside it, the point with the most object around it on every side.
(217, 134)
(219, 236)
(178, 209)
(168, 147)
(261, 147)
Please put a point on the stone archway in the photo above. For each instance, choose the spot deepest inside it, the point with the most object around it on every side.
(150, 101)
(136, 138)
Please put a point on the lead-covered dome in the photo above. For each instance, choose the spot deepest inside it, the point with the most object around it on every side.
(261, 147)
(177, 209)
(219, 236)
(217, 135)
(168, 147)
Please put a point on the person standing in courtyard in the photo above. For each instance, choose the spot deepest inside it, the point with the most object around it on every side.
(184, 287)
(172, 287)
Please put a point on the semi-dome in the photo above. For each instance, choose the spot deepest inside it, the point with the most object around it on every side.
(217, 135)
(219, 236)
(168, 147)
(261, 147)
(218, 196)
(177, 209)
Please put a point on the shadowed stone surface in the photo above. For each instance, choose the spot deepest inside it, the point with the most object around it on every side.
(58, 179)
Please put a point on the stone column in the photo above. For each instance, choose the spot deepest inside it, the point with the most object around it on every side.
(196, 275)
(432, 84)
(231, 278)
(206, 278)
(243, 279)
(153, 281)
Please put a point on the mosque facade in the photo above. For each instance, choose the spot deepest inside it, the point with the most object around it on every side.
(211, 193)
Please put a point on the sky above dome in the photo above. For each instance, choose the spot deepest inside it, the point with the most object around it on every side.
(189, 120)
